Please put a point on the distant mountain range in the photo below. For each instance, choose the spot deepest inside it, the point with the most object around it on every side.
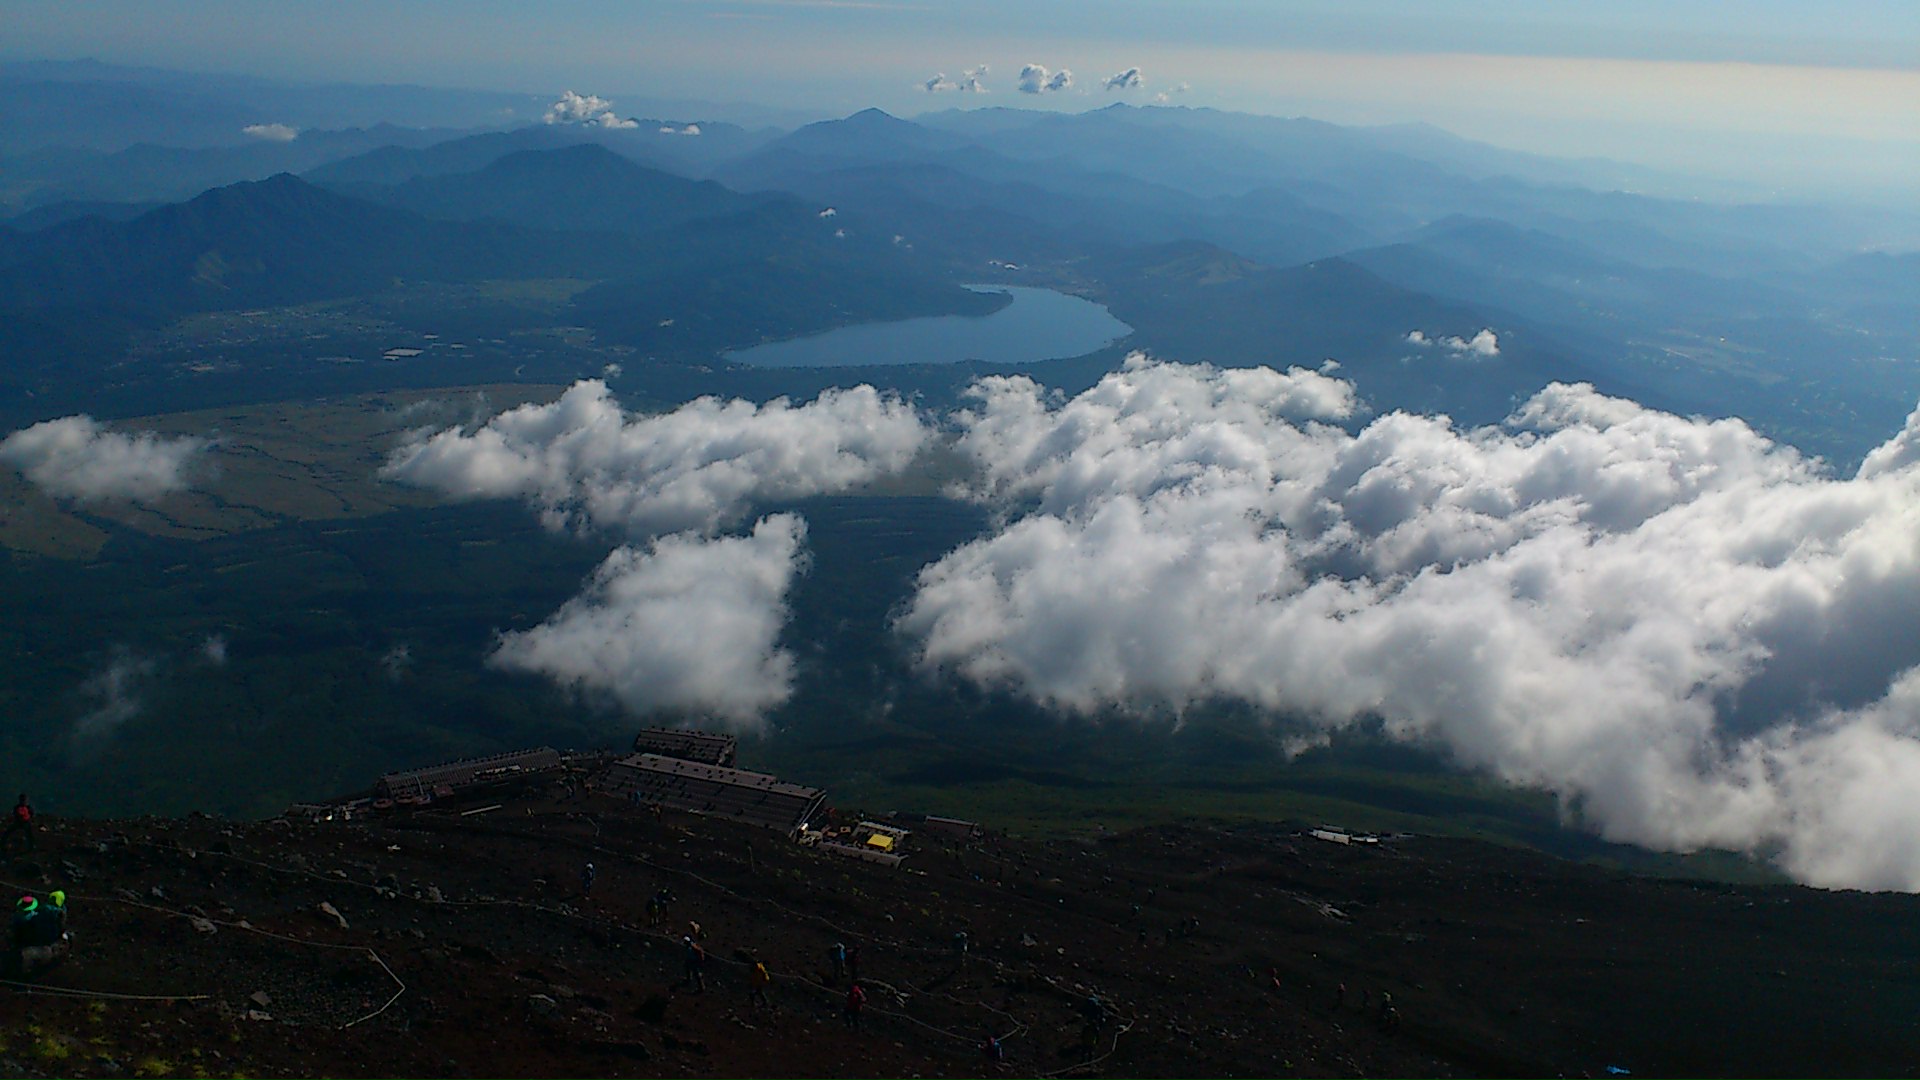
(582, 187)
(265, 243)
(689, 238)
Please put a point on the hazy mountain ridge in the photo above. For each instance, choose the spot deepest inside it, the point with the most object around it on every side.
(263, 243)
(583, 188)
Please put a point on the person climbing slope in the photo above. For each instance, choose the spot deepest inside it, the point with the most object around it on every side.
(21, 822)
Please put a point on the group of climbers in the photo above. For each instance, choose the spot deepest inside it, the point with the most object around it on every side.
(39, 928)
(39, 932)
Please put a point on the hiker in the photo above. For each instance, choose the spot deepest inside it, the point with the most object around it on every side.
(586, 881)
(856, 1000)
(39, 931)
(24, 910)
(1389, 1016)
(837, 956)
(995, 1052)
(696, 962)
(22, 823)
(657, 906)
(758, 979)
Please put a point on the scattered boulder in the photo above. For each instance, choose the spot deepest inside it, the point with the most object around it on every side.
(329, 911)
(542, 1005)
(205, 926)
(260, 998)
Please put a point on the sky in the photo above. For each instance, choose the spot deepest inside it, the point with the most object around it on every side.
(1789, 87)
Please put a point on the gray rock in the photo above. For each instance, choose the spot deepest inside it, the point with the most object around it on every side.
(327, 910)
(542, 1004)
(205, 926)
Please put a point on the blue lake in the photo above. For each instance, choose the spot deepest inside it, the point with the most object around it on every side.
(1040, 324)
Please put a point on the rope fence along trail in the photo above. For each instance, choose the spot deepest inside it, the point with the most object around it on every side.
(235, 925)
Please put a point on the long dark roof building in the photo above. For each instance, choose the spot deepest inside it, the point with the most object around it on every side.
(706, 747)
(657, 780)
(473, 772)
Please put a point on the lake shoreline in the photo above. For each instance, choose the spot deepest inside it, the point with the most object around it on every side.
(1037, 325)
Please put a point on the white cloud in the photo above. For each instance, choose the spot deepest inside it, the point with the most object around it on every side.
(1481, 346)
(1691, 635)
(77, 457)
(691, 622)
(1168, 94)
(1035, 79)
(685, 129)
(585, 109)
(1125, 80)
(271, 132)
(583, 460)
(1899, 452)
(686, 624)
(970, 81)
(827, 213)
(115, 691)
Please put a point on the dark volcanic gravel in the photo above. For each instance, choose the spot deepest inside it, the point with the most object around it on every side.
(1218, 950)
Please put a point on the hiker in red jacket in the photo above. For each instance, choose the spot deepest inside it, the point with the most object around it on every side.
(22, 823)
(856, 1000)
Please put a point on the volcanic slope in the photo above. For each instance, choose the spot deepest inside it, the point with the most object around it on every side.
(462, 946)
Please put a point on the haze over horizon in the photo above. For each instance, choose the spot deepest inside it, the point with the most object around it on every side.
(1785, 98)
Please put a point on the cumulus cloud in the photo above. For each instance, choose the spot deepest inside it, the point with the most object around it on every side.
(76, 457)
(684, 129)
(1692, 636)
(1169, 93)
(115, 693)
(586, 110)
(828, 212)
(1480, 346)
(684, 624)
(271, 132)
(586, 462)
(1125, 80)
(969, 82)
(1035, 79)
(690, 622)
(1899, 452)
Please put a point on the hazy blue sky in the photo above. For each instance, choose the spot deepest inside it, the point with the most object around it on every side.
(1819, 87)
